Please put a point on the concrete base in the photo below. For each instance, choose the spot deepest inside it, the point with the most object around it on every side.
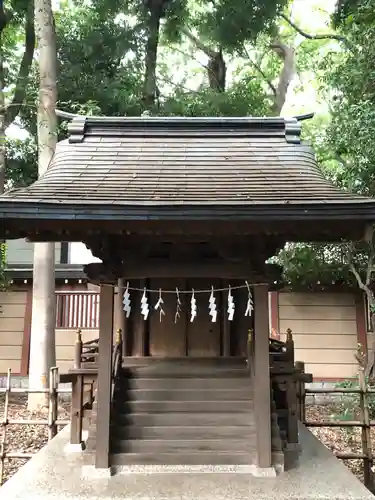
(90, 473)
(77, 448)
(54, 475)
(194, 469)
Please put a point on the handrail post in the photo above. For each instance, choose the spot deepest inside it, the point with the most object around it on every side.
(289, 346)
(250, 346)
(78, 350)
(365, 431)
(77, 410)
(119, 337)
(53, 403)
(301, 391)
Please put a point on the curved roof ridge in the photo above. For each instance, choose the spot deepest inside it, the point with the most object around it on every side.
(288, 127)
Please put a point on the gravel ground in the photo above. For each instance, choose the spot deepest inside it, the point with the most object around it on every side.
(347, 440)
(31, 438)
(25, 438)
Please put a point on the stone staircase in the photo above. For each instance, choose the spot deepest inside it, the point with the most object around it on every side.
(185, 411)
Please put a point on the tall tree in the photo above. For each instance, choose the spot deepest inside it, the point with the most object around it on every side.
(16, 27)
(42, 344)
(347, 152)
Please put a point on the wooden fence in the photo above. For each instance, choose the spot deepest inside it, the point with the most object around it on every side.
(52, 420)
(364, 422)
(77, 310)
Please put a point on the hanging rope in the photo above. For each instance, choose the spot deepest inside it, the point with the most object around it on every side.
(188, 292)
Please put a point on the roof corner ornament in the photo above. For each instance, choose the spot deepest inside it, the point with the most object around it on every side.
(293, 130)
(76, 129)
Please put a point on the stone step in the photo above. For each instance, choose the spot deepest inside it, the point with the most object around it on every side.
(205, 383)
(223, 432)
(188, 458)
(185, 419)
(186, 394)
(183, 406)
(181, 445)
(184, 371)
(211, 361)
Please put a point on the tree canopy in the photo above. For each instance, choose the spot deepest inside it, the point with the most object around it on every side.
(218, 58)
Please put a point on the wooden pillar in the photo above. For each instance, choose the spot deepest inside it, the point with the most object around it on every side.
(262, 385)
(225, 325)
(77, 410)
(104, 376)
(121, 318)
(141, 326)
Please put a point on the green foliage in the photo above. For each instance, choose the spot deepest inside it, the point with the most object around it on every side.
(21, 162)
(351, 405)
(230, 23)
(342, 140)
(351, 76)
(317, 264)
(243, 99)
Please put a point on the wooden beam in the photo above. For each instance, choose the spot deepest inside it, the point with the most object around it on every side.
(161, 268)
(104, 377)
(262, 384)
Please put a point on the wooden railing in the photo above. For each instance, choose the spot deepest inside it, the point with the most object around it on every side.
(77, 310)
(51, 420)
(84, 379)
(116, 362)
(85, 352)
(288, 380)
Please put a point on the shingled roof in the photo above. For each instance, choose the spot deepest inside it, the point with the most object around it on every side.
(181, 162)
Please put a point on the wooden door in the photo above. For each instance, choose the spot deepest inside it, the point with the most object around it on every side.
(167, 336)
(203, 335)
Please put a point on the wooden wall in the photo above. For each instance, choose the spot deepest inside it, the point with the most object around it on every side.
(324, 327)
(12, 322)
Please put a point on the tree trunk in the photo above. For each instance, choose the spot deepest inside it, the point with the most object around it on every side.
(217, 71)
(150, 85)
(3, 23)
(2, 126)
(2, 140)
(42, 344)
(216, 67)
(370, 361)
(287, 54)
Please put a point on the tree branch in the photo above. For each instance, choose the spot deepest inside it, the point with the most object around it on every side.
(353, 269)
(204, 66)
(198, 43)
(177, 85)
(287, 55)
(370, 264)
(5, 17)
(260, 71)
(24, 70)
(328, 36)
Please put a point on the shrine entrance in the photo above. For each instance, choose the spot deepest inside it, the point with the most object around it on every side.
(173, 334)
